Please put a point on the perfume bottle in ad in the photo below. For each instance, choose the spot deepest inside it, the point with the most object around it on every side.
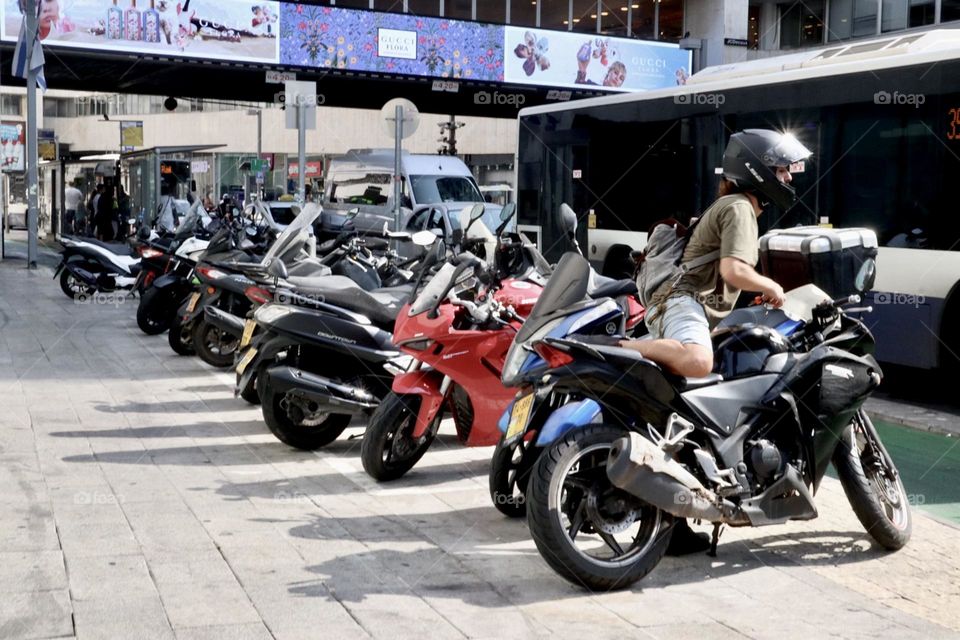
(151, 23)
(114, 22)
(132, 22)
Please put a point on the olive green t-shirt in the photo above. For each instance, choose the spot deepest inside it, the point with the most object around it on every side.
(730, 225)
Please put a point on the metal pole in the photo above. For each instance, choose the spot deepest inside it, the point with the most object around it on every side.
(32, 152)
(260, 150)
(302, 149)
(398, 133)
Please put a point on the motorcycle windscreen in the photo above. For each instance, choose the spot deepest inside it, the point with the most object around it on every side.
(296, 233)
(431, 293)
(567, 286)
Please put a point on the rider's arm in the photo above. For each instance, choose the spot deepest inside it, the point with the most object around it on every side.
(740, 275)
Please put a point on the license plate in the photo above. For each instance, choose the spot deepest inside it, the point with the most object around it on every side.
(194, 299)
(519, 416)
(245, 361)
(247, 333)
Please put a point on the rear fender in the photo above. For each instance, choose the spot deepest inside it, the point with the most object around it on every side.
(426, 384)
(566, 418)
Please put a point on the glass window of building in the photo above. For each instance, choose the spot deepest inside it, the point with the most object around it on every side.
(492, 11)
(523, 12)
(852, 19)
(922, 12)
(641, 17)
(670, 20)
(949, 10)
(753, 28)
(10, 105)
(460, 9)
(801, 24)
(613, 17)
(585, 15)
(353, 4)
(555, 14)
(424, 7)
(391, 6)
(902, 14)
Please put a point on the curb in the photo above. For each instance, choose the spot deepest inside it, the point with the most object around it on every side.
(914, 417)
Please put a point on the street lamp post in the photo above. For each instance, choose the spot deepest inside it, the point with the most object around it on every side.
(259, 114)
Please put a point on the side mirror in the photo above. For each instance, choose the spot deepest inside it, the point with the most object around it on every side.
(424, 238)
(277, 269)
(866, 276)
(353, 213)
(476, 212)
(568, 219)
(508, 212)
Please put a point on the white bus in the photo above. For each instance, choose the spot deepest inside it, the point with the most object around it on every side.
(883, 120)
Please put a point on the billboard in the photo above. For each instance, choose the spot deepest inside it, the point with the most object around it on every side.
(589, 61)
(336, 38)
(13, 144)
(131, 134)
(229, 30)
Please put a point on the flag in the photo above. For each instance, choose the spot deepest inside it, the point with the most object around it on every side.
(35, 60)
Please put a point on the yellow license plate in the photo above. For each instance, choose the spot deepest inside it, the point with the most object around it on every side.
(245, 361)
(194, 299)
(519, 416)
(247, 333)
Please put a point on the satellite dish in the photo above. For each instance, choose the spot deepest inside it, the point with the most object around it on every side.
(411, 117)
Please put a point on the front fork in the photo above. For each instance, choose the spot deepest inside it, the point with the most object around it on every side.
(433, 388)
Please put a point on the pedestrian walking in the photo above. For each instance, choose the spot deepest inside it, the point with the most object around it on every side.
(73, 202)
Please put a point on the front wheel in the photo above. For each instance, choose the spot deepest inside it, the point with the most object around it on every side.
(292, 423)
(389, 449)
(873, 485)
(510, 475)
(589, 531)
(214, 345)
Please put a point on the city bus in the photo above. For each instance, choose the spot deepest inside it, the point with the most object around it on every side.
(883, 120)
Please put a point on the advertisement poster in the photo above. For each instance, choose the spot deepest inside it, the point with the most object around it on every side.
(236, 30)
(328, 37)
(580, 61)
(131, 134)
(13, 144)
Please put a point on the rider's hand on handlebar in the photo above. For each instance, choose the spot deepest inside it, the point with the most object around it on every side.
(773, 295)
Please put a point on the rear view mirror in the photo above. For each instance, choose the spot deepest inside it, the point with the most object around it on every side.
(508, 212)
(424, 238)
(353, 213)
(866, 276)
(476, 212)
(277, 268)
(568, 219)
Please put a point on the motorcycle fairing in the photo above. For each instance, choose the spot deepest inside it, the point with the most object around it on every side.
(425, 383)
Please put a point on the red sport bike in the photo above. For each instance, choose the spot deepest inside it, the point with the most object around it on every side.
(458, 330)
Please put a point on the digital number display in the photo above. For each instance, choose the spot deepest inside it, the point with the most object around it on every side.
(953, 124)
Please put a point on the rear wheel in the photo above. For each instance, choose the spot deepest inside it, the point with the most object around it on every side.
(873, 486)
(155, 311)
(589, 531)
(179, 336)
(293, 426)
(214, 345)
(389, 449)
(509, 475)
(74, 287)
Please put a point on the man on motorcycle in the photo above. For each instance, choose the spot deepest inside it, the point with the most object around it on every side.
(756, 172)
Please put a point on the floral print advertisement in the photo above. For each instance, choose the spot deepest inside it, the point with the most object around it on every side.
(234, 30)
(328, 37)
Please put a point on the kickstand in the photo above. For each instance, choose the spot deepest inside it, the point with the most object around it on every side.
(715, 539)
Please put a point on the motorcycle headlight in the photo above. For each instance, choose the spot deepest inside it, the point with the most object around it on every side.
(399, 364)
(518, 355)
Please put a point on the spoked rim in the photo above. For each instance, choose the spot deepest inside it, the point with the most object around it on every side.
(603, 524)
(295, 412)
(398, 444)
(514, 468)
(219, 342)
(886, 484)
(78, 286)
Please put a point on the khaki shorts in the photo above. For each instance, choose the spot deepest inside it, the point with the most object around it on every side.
(683, 320)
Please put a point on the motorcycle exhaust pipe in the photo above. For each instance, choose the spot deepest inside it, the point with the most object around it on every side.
(87, 277)
(646, 471)
(224, 320)
(323, 391)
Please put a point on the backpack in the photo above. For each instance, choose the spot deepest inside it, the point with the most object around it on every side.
(661, 260)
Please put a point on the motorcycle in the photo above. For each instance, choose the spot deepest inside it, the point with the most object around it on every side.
(633, 447)
(458, 331)
(88, 266)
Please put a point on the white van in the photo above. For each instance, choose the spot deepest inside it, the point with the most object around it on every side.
(435, 189)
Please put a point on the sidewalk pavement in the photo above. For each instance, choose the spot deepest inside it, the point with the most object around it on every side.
(139, 499)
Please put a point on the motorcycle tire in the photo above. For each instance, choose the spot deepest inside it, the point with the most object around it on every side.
(883, 512)
(179, 337)
(298, 436)
(203, 335)
(395, 416)
(155, 311)
(74, 288)
(551, 534)
(509, 477)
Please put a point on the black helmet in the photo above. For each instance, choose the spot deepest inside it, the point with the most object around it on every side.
(751, 158)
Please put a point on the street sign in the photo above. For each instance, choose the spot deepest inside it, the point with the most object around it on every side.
(280, 77)
(296, 93)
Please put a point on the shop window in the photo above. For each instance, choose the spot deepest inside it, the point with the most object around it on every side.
(801, 24)
(852, 19)
(389, 6)
(424, 7)
(523, 12)
(613, 17)
(949, 10)
(458, 9)
(921, 12)
(494, 11)
(753, 27)
(642, 19)
(670, 20)
(353, 4)
(585, 15)
(555, 14)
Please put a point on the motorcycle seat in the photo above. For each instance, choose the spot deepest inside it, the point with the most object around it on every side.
(380, 305)
(610, 288)
(119, 249)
